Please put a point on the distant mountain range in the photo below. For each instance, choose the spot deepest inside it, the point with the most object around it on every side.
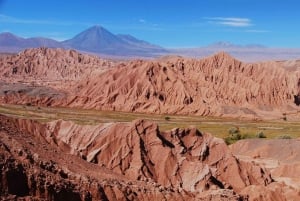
(224, 44)
(248, 53)
(95, 40)
(100, 41)
(12, 43)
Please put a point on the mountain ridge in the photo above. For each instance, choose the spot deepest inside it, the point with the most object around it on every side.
(100, 41)
(95, 39)
(8, 39)
(213, 86)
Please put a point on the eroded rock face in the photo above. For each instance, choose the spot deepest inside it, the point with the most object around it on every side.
(127, 161)
(179, 164)
(34, 169)
(184, 158)
(44, 66)
(218, 85)
(281, 158)
(44, 76)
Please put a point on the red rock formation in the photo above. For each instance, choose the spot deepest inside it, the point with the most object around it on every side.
(280, 149)
(179, 158)
(44, 66)
(218, 85)
(44, 76)
(125, 161)
(175, 161)
(33, 169)
(281, 157)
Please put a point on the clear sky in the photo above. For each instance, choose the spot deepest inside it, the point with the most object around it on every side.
(176, 23)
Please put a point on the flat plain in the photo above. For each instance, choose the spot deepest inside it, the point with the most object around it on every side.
(217, 126)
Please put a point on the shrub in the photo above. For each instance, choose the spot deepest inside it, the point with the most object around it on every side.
(236, 136)
(261, 135)
(234, 130)
(284, 137)
(167, 118)
(235, 133)
(247, 136)
(228, 140)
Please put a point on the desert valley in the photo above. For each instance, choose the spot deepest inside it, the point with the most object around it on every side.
(149, 100)
(75, 126)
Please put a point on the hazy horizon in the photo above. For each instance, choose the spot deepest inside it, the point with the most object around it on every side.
(171, 24)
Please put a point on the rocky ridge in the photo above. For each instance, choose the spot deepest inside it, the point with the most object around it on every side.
(218, 85)
(40, 66)
(34, 169)
(61, 160)
(215, 86)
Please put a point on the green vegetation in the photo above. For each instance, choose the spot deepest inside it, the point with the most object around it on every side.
(167, 118)
(235, 131)
(229, 129)
(234, 135)
(284, 137)
(261, 134)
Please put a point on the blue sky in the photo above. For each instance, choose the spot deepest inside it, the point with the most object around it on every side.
(177, 23)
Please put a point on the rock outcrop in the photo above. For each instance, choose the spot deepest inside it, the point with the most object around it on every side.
(217, 86)
(31, 168)
(280, 157)
(184, 158)
(44, 66)
(122, 161)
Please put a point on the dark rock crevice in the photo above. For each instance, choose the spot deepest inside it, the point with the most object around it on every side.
(297, 99)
